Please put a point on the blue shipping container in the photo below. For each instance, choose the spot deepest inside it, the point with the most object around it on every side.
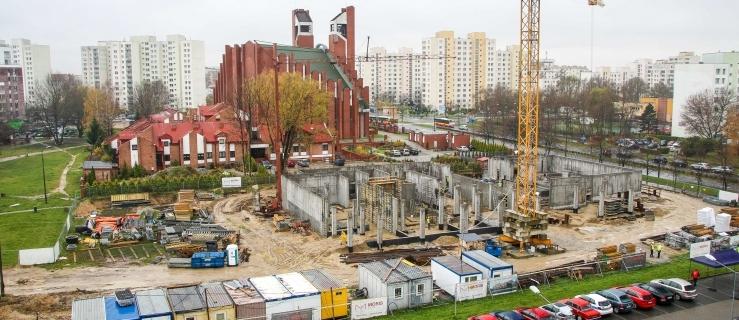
(208, 260)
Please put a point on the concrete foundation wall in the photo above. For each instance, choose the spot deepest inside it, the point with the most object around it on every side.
(501, 168)
(305, 204)
(343, 191)
(426, 186)
(466, 187)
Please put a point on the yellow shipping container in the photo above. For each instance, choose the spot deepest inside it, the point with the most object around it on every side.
(334, 295)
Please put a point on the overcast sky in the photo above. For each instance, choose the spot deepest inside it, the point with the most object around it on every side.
(624, 29)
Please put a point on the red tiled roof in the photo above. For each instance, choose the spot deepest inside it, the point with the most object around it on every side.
(208, 111)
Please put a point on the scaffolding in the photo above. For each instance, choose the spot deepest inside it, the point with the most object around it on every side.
(377, 199)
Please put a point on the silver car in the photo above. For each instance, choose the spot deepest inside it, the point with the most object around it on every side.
(681, 288)
(560, 310)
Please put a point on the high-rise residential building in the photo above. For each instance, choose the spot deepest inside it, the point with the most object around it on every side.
(505, 68)
(616, 75)
(11, 93)
(389, 74)
(177, 62)
(693, 79)
(661, 70)
(34, 60)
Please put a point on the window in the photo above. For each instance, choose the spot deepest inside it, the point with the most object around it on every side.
(398, 293)
(201, 156)
(221, 316)
(167, 157)
(134, 147)
(470, 278)
(190, 318)
(209, 155)
(186, 157)
(232, 154)
(420, 288)
(221, 154)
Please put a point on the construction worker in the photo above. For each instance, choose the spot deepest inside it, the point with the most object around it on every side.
(659, 250)
(342, 238)
(695, 275)
(651, 249)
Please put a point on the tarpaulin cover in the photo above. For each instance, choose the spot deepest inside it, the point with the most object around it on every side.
(728, 257)
(115, 312)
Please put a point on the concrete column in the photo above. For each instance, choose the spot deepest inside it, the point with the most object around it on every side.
(477, 207)
(576, 198)
(491, 201)
(361, 221)
(538, 202)
(512, 200)
(601, 205)
(401, 221)
(422, 225)
(325, 222)
(380, 229)
(395, 213)
(350, 230)
(630, 208)
(464, 218)
(442, 219)
(457, 201)
(334, 221)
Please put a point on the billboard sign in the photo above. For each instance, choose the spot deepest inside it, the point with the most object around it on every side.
(231, 182)
(369, 308)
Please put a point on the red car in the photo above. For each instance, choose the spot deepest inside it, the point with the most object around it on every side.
(483, 317)
(535, 314)
(291, 163)
(642, 298)
(581, 309)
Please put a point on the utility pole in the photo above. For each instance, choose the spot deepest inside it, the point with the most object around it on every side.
(2, 279)
(43, 173)
(278, 142)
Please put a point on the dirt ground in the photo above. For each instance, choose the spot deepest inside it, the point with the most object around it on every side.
(586, 233)
(277, 252)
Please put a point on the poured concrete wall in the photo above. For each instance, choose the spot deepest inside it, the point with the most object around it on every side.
(467, 185)
(501, 168)
(426, 186)
(305, 204)
(342, 189)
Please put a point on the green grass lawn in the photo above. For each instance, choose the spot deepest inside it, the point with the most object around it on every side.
(29, 230)
(8, 203)
(75, 172)
(9, 151)
(682, 185)
(23, 176)
(679, 267)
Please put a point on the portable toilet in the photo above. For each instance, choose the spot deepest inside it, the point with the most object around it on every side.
(334, 295)
(232, 254)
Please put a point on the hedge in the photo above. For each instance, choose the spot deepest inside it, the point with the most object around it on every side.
(166, 184)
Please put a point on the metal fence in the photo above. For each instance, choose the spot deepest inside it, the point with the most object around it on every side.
(35, 256)
(577, 271)
(169, 184)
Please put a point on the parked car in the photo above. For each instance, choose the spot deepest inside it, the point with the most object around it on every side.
(643, 299)
(406, 152)
(396, 153)
(700, 166)
(620, 302)
(414, 152)
(508, 315)
(682, 289)
(463, 149)
(339, 161)
(303, 163)
(598, 303)
(660, 294)
(535, 314)
(487, 180)
(662, 160)
(581, 309)
(483, 317)
(291, 163)
(722, 170)
(464, 127)
(679, 163)
(560, 310)
(267, 164)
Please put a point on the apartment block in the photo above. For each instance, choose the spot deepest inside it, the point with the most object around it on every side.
(177, 62)
(692, 79)
(11, 93)
(34, 61)
(390, 75)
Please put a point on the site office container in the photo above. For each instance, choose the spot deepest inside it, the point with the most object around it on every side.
(219, 303)
(404, 284)
(499, 273)
(249, 304)
(288, 296)
(450, 271)
(88, 309)
(186, 303)
(334, 295)
(113, 311)
(153, 304)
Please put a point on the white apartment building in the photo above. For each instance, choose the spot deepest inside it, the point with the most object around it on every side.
(178, 62)
(389, 75)
(662, 70)
(692, 79)
(34, 60)
(504, 68)
(616, 75)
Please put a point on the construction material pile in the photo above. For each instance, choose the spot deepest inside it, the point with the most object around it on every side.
(184, 238)
(417, 256)
(734, 214)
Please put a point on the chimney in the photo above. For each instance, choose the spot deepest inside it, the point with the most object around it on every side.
(302, 29)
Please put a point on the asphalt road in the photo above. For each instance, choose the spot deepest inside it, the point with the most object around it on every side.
(708, 305)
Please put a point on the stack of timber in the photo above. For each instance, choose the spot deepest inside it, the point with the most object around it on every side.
(734, 213)
(626, 248)
(417, 256)
(608, 252)
(698, 230)
(613, 207)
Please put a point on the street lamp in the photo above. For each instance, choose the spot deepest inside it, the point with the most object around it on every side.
(733, 289)
(536, 291)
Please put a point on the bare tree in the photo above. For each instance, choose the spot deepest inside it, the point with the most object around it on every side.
(149, 97)
(661, 90)
(57, 103)
(633, 89)
(705, 113)
(495, 104)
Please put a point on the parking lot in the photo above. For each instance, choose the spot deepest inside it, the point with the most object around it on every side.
(708, 305)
